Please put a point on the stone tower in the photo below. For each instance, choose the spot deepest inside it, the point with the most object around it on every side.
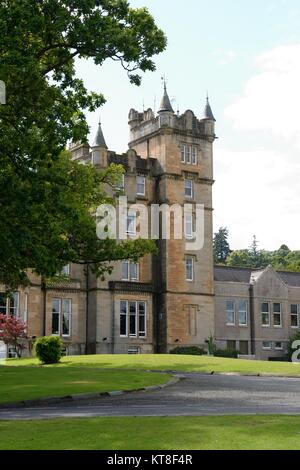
(182, 146)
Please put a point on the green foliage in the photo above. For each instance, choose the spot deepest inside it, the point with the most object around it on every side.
(189, 351)
(45, 106)
(231, 353)
(221, 245)
(48, 349)
(211, 344)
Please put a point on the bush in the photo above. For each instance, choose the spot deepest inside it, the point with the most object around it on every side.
(189, 351)
(231, 353)
(48, 349)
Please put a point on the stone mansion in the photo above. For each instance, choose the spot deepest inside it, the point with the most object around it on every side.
(176, 297)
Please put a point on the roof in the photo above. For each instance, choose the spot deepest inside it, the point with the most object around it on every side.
(99, 140)
(165, 105)
(248, 275)
(207, 113)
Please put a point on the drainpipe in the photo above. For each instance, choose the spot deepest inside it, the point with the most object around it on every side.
(252, 319)
(44, 291)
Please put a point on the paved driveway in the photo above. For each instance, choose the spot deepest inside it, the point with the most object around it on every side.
(195, 395)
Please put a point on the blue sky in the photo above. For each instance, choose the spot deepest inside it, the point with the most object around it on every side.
(246, 55)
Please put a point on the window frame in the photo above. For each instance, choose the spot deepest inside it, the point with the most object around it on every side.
(129, 277)
(139, 184)
(61, 315)
(190, 223)
(243, 311)
(233, 310)
(262, 312)
(191, 195)
(187, 259)
(277, 313)
(133, 217)
(267, 348)
(294, 315)
(278, 348)
(139, 334)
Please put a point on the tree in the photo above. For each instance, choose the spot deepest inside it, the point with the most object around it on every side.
(45, 105)
(12, 331)
(221, 245)
(239, 258)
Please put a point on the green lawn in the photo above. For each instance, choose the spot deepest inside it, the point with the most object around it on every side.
(172, 362)
(26, 383)
(209, 432)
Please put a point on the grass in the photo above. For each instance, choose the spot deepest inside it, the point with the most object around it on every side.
(203, 433)
(27, 383)
(172, 362)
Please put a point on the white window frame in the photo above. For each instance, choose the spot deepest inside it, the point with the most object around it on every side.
(139, 334)
(129, 269)
(69, 314)
(188, 259)
(268, 312)
(8, 306)
(231, 311)
(278, 348)
(131, 216)
(61, 313)
(66, 270)
(191, 188)
(267, 348)
(126, 319)
(243, 311)
(189, 224)
(139, 184)
(294, 315)
(194, 156)
(277, 313)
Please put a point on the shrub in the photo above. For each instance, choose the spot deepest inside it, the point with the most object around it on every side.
(189, 351)
(231, 353)
(48, 349)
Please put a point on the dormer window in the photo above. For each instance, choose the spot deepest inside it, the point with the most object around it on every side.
(189, 155)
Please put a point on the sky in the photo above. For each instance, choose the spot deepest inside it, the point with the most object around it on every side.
(247, 56)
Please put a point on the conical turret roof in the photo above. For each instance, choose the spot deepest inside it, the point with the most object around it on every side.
(165, 105)
(99, 140)
(207, 113)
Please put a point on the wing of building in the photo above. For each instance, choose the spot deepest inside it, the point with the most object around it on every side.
(177, 297)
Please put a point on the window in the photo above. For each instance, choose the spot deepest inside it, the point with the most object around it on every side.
(130, 271)
(267, 345)
(188, 226)
(294, 316)
(277, 320)
(9, 304)
(278, 346)
(141, 185)
(189, 155)
(189, 269)
(231, 344)
(230, 314)
(244, 348)
(132, 319)
(265, 314)
(131, 224)
(243, 313)
(194, 156)
(61, 317)
(188, 188)
(66, 270)
(123, 318)
(56, 304)
(66, 317)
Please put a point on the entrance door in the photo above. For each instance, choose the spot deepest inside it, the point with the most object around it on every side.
(243, 348)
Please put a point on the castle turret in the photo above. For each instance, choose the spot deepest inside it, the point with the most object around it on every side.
(166, 112)
(208, 120)
(99, 148)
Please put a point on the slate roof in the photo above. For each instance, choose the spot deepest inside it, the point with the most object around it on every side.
(165, 104)
(99, 140)
(207, 113)
(244, 275)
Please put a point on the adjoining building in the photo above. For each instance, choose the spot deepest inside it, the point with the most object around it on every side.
(176, 297)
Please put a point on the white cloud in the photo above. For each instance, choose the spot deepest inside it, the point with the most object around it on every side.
(257, 192)
(271, 99)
